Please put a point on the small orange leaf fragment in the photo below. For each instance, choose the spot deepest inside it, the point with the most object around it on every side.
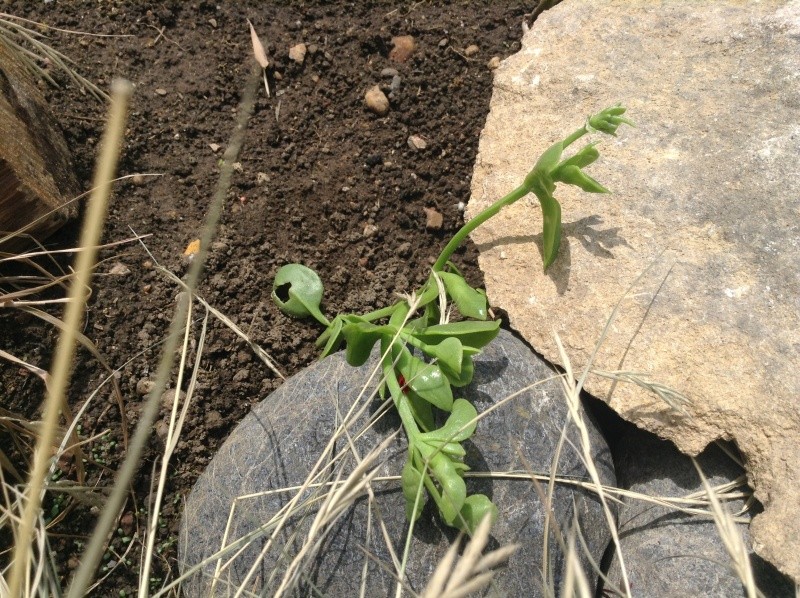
(192, 247)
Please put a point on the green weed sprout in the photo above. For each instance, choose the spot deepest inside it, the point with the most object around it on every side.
(425, 356)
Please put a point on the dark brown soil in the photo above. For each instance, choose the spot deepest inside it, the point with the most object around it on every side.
(322, 180)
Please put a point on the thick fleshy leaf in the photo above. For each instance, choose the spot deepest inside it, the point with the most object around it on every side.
(332, 337)
(453, 488)
(587, 155)
(549, 159)
(572, 175)
(607, 121)
(360, 338)
(471, 334)
(460, 424)
(297, 291)
(426, 380)
(410, 481)
(551, 234)
(449, 353)
(470, 302)
(423, 414)
(474, 509)
(463, 377)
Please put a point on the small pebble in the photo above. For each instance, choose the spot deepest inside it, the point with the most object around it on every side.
(376, 101)
(493, 63)
(298, 53)
(169, 397)
(443, 42)
(214, 419)
(389, 72)
(416, 142)
(119, 269)
(138, 179)
(261, 178)
(213, 23)
(404, 250)
(161, 91)
(395, 85)
(404, 46)
(162, 429)
(370, 229)
(471, 50)
(214, 147)
(433, 219)
(144, 386)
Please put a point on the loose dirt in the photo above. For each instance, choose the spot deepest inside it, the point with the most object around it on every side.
(321, 180)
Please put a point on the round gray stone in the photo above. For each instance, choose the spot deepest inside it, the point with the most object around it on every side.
(668, 553)
(277, 444)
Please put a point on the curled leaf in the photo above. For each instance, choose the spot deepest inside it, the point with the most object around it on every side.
(297, 291)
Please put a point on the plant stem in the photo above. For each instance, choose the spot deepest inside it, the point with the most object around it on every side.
(515, 195)
(470, 226)
(384, 312)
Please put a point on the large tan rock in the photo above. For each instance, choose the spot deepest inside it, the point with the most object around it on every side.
(704, 222)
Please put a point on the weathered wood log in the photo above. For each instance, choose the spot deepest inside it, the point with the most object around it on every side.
(36, 175)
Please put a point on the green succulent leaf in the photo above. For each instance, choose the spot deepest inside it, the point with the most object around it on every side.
(411, 482)
(449, 353)
(453, 488)
(551, 234)
(549, 159)
(470, 302)
(297, 291)
(474, 509)
(583, 158)
(572, 175)
(421, 409)
(474, 335)
(464, 377)
(360, 338)
(426, 380)
(607, 121)
(459, 426)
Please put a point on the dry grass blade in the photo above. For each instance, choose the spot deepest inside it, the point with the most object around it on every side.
(731, 538)
(18, 36)
(260, 54)
(472, 573)
(94, 550)
(56, 400)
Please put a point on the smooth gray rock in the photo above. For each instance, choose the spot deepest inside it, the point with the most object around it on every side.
(671, 554)
(278, 443)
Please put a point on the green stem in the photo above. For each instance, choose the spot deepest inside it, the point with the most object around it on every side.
(384, 312)
(515, 195)
(577, 134)
(470, 226)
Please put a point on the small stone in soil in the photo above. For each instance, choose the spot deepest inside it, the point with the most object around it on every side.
(119, 269)
(370, 229)
(161, 91)
(214, 147)
(433, 219)
(404, 46)
(471, 50)
(494, 62)
(443, 42)
(416, 142)
(297, 53)
(395, 85)
(389, 72)
(169, 397)
(144, 386)
(376, 101)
